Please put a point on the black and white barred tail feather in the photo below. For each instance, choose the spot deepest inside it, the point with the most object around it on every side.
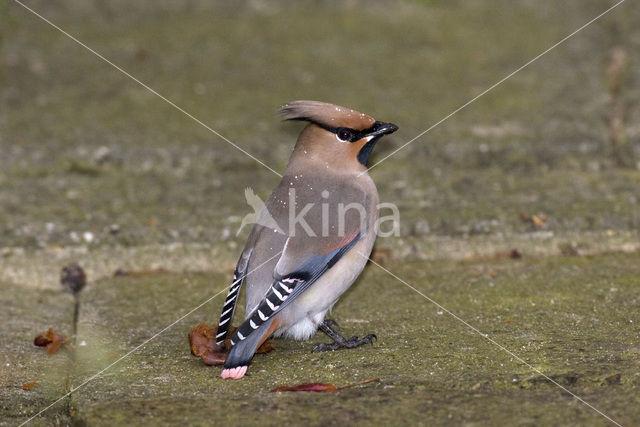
(277, 294)
(246, 339)
(228, 308)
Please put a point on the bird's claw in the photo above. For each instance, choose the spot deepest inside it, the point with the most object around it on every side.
(319, 347)
(370, 338)
(352, 342)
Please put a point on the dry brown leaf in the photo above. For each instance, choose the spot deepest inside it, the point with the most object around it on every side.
(213, 358)
(202, 340)
(50, 340)
(306, 387)
(321, 387)
(44, 338)
(30, 385)
(538, 219)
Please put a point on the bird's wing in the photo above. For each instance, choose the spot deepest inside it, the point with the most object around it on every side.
(327, 215)
(285, 289)
(306, 258)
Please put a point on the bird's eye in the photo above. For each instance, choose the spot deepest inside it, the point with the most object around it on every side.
(344, 135)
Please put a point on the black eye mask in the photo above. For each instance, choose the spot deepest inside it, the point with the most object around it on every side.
(347, 134)
(377, 130)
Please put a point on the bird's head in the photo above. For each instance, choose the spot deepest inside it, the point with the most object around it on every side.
(336, 137)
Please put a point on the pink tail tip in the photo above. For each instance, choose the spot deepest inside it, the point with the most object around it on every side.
(234, 373)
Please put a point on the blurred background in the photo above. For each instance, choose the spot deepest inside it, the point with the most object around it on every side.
(85, 149)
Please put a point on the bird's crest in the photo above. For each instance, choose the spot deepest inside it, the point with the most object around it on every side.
(326, 114)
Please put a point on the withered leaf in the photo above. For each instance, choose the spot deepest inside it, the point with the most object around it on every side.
(306, 387)
(42, 340)
(202, 340)
(213, 358)
(538, 220)
(50, 340)
(30, 385)
(321, 387)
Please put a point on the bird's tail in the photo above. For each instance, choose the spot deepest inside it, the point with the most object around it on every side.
(242, 352)
(228, 308)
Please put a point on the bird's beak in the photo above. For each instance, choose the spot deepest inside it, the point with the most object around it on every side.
(381, 128)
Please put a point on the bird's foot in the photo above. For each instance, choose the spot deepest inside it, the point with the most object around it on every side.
(339, 341)
(352, 342)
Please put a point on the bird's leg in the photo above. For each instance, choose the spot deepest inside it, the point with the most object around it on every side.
(338, 340)
(329, 323)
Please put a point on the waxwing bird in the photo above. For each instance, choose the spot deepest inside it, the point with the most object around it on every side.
(312, 238)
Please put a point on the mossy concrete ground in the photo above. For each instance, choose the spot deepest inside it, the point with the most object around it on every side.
(95, 169)
(572, 318)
